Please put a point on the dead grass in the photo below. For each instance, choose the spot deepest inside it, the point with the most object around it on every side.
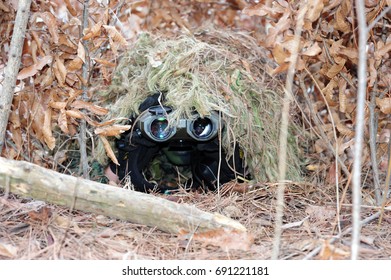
(35, 230)
(220, 71)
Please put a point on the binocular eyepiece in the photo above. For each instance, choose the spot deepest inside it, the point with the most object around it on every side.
(187, 142)
(154, 124)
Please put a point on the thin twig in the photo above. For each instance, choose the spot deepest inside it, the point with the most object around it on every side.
(12, 68)
(386, 183)
(284, 132)
(314, 252)
(359, 135)
(382, 14)
(373, 147)
(83, 125)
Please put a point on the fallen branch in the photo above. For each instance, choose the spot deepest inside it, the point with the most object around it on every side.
(12, 68)
(30, 180)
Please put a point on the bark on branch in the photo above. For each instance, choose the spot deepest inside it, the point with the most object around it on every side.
(30, 180)
(12, 68)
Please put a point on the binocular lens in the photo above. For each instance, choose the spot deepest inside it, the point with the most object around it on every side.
(202, 128)
(159, 128)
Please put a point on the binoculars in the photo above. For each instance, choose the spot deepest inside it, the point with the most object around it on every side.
(191, 142)
(154, 124)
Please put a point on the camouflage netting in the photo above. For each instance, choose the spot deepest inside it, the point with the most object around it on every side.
(210, 71)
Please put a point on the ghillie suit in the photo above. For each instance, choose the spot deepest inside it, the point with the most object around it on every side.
(210, 72)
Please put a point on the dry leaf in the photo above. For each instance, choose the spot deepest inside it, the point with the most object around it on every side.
(63, 121)
(58, 104)
(313, 50)
(59, 70)
(332, 174)
(313, 167)
(314, 10)
(75, 64)
(344, 130)
(81, 52)
(280, 69)
(280, 54)
(79, 104)
(350, 53)
(178, 19)
(329, 91)
(91, 121)
(109, 122)
(14, 118)
(66, 41)
(70, 8)
(257, 10)
(335, 48)
(371, 3)
(113, 46)
(75, 114)
(275, 33)
(225, 239)
(66, 222)
(105, 62)
(8, 250)
(372, 72)
(94, 31)
(341, 16)
(384, 105)
(379, 53)
(34, 50)
(45, 80)
(384, 136)
(51, 23)
(241, 4)
(345, 145)
(331, 252)
(47, 129)
(16, 135)
(41, 215)
(336, 68)
(4, 7)
(38, 42)
(342, 95)
(115, 35)
(108, 149)
(33, 69)
(113, 130)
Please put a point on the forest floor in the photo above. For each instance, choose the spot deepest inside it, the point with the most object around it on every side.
(35, 230)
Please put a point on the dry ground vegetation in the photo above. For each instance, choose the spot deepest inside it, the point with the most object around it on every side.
(317, 217)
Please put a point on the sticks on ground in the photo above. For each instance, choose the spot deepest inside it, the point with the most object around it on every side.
(30, 180)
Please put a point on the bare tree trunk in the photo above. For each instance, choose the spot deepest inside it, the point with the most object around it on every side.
(84, 166)
(30, 180)
(359, 135)
(12, 69)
